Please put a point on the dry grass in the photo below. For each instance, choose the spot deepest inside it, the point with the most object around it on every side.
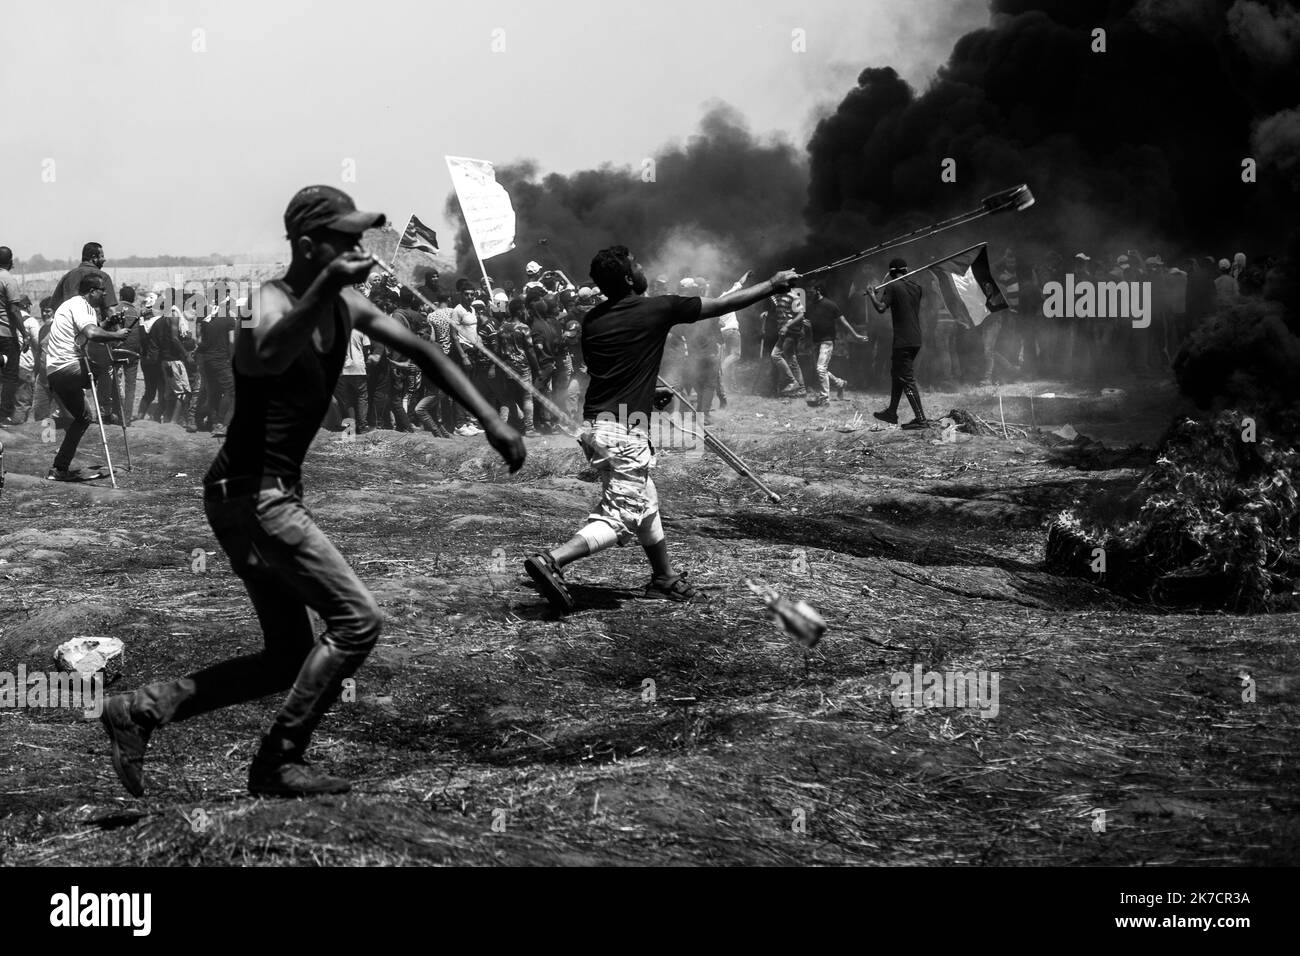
(478, 701)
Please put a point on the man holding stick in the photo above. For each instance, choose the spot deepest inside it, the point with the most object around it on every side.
(287, 361)
(623, 343)
(75, 325)
(902, 297)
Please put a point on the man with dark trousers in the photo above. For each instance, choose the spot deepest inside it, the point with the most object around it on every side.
(903, 300)
(288, 358)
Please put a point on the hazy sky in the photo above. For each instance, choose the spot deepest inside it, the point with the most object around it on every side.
(156, 148)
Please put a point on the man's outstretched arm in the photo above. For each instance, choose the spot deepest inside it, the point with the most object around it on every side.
(735, 301)
(441, 371)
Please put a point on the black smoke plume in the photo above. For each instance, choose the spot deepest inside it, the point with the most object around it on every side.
(716, 203)
(1140, 146)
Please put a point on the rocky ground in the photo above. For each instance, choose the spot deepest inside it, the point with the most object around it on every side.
(485, 730)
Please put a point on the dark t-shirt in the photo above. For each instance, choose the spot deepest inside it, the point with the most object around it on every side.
(70, 285)
(277, 416)
(623, 344)
(214, 337)
(824, 316)
(903, 299)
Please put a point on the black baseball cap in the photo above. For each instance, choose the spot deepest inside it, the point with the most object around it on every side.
(897, 263)
(324, 207)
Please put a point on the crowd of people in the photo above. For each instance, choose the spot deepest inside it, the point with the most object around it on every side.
(1023, 343)
(174, 350)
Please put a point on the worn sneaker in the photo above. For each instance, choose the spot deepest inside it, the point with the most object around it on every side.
(549, 580)
(291, 778)
(129, 740)
(839, 390)
(817, 401)
(887, 416)
(916, 424)
(674, 588)
(73, 474)
(466, 431)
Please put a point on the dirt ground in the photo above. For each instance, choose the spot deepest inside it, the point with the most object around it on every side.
(484, 730)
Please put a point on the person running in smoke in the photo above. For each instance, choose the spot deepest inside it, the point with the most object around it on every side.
(623, 341)
(903, 300)
(825, 319)
(785, 353)
(287, 362)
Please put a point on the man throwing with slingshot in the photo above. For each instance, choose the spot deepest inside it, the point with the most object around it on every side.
(623, 343)
(287, 361)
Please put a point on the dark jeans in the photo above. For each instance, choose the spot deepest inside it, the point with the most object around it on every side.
(9, 352)
(903, 379)
(67, 384)
(217, 389)
(703, 379)
(354, 399)
(387, 392)
(287, 565)
(153, 387)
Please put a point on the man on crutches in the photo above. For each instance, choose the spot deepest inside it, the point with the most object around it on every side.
(75, 323)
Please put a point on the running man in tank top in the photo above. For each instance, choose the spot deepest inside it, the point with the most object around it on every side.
(288, 357)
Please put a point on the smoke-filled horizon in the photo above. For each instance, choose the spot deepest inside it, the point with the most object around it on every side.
(723, 197)
(1140, 146)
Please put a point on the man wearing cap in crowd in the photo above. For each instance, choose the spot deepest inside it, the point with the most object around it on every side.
(533, 277)
(287, 363)
(903, 300)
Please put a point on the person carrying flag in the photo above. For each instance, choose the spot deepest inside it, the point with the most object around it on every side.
(903, 300)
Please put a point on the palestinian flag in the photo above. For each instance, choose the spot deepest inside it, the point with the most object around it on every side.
(419, 237)
(967, 286)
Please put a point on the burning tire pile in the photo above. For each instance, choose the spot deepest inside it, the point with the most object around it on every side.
(1218, 527)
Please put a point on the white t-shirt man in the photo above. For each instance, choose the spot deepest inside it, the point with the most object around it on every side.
(465, 321)
(68, 334)
(355, 363)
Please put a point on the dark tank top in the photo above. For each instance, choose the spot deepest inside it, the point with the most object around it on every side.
(277, 416)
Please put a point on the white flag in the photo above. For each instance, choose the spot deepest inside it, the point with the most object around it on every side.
(486, 205)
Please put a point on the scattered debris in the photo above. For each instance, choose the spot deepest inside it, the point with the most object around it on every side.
(1218, 525)
(797, 618)
(87, 655)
